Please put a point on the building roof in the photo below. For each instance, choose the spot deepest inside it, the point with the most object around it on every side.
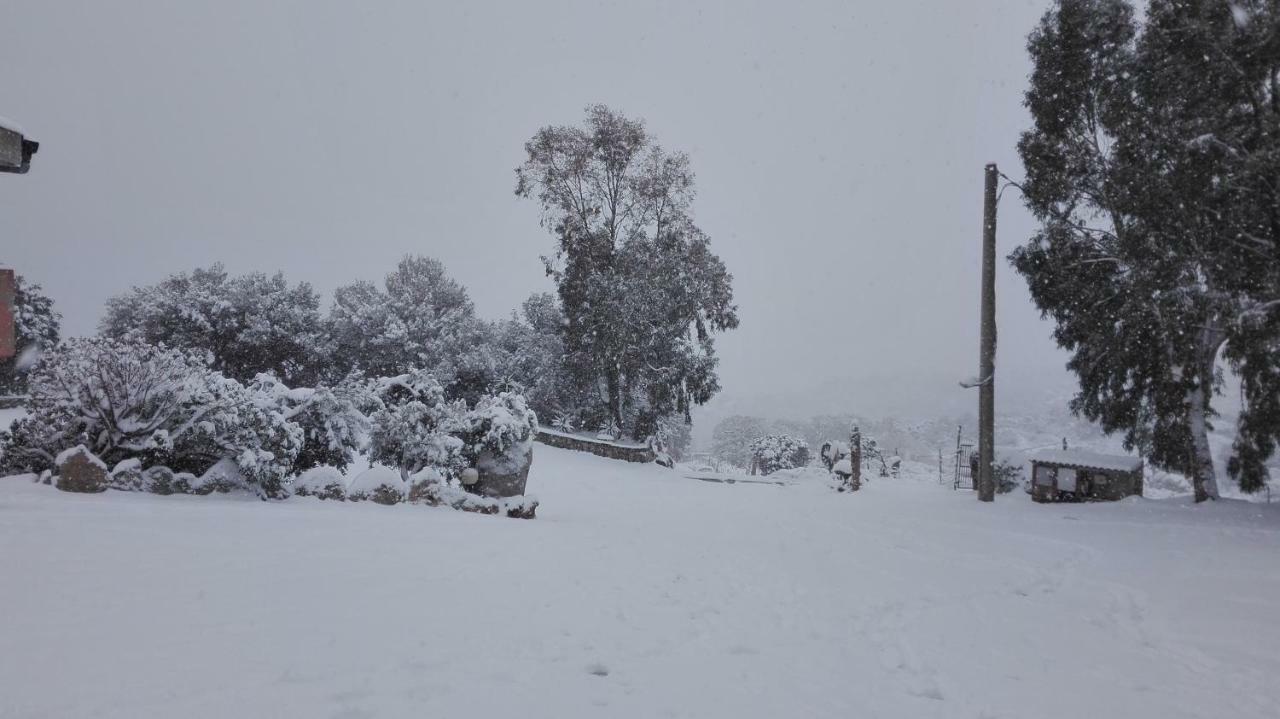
(1087, 460)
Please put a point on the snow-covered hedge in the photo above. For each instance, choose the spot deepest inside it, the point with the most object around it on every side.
(127, 399)
(779, 451)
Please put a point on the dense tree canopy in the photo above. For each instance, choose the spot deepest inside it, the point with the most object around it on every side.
(245, 324)
(420, 317)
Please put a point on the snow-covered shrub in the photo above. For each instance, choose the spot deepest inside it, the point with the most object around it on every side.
(334, 420)
(1008, 476)
(565, 422)
(499, 434)
(832, 452)
(161, 480)
(609, 430)
(779, 451)
(126, 476)
(322, 482)
(224, 476)
(377, 484)
(417, 427)
(124, 399)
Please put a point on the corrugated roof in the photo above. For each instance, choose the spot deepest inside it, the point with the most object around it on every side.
(1091, 460)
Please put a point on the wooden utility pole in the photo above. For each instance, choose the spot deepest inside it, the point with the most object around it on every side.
(987, 350)
(855, 460)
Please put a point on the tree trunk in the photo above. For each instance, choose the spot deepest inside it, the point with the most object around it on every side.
(1200, 460)
(615, 396)
(1203, 477)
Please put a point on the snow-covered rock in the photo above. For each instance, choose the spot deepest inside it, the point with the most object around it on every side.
(79, 470)
(377, 484)
(322, 482)
(223, 477)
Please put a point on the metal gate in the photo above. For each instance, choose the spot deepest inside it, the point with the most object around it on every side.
(965, 459)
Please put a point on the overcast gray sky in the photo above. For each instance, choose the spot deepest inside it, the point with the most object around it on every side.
(838, 146)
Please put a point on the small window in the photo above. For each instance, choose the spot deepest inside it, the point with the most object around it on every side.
(1043, 475)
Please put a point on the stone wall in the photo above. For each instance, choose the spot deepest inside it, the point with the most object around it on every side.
(597, 447)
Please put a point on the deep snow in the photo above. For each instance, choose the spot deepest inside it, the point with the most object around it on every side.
(638, 593)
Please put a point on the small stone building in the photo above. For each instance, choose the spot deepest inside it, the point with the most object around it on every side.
(1071, 475)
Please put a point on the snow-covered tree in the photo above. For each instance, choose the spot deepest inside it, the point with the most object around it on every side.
(641, 290)
(674, 436)
(779, 451)
(417, 427)
(528, 352)
(244, 325)
(36, 328)
(420, 318)
(1151, 167)
(732, 437)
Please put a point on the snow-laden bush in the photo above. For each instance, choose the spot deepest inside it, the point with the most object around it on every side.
(1008, 476)
(334, 420)
(565, 422)
(779, 451)
(417, 428)
(499, 434)
(224, 476)
(377, 484)
(322, 482)
(125, 399)
(127, 476)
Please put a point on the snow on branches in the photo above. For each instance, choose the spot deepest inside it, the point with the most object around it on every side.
(779, 451)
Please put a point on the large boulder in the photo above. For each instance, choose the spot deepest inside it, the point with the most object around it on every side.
(79, 470)
(503, 476)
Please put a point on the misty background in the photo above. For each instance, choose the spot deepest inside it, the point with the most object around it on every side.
(838, 148)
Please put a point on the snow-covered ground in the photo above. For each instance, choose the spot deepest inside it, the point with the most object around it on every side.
(638, 593)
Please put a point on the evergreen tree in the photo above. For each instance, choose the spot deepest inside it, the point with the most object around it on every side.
(36, 328)
(421, 318)
(641, 291)
(243, 325)
(1154, 168)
